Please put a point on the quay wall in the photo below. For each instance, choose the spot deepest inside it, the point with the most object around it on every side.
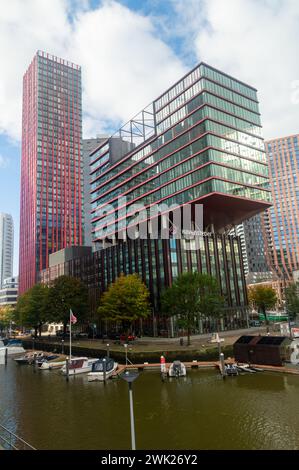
(137, 357)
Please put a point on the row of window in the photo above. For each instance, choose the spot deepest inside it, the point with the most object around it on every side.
(210, 155)
(209, 86)
(208, 72)
(188, 180)
(173, 132)
(231, 147)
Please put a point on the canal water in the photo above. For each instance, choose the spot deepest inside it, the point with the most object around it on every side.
(201, 411)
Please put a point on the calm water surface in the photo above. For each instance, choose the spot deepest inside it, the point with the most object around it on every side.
(254, 411)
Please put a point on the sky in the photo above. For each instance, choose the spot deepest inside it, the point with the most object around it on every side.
(132, 50)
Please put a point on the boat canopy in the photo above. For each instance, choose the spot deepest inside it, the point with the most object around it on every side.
(14, 342)
(98, 366)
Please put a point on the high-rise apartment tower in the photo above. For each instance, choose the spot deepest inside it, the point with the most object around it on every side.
(51, 165)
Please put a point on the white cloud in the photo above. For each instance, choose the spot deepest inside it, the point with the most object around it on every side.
(3, 161)
(124, 64)
(255, 41)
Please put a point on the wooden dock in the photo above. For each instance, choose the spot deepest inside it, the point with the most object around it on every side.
(154, 366)
(200, 365)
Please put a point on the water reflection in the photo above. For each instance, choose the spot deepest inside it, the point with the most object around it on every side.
(201, 411)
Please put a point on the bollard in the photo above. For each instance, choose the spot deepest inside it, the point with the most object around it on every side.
(104, 370)
(62, 346)
(163, 367)
(6, 355)
(67, 368)
(222, 366)
(108, 352)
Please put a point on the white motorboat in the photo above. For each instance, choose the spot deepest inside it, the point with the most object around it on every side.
(98, 369)
(28, 358)
(177, 369)
(79, 365)
(13, 346)
(52, 364)
(245, 368)
(44, 362)
(231, 369)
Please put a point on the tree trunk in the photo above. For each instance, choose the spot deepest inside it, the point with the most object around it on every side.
(35, 331)
(266, 318)
(40, 329)
(188, 334)
(64, 328)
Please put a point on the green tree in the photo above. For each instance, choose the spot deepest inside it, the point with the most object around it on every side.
(67, 292)
(192, 295)
(6, 317)
(32, 307)
(125, 300)
(262, 298)
(292, 300)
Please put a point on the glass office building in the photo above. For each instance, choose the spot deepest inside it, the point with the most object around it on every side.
(51, 163)
(158, 262)
(198, 142)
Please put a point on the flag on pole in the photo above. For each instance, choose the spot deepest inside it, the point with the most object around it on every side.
(73, 319)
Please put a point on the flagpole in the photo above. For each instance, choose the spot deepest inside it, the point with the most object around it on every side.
(70, 336)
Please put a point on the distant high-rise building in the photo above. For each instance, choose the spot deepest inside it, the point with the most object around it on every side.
(9, 292)
(6, 246)
(88, 146)
(51, 164)
(255, 247)
(283, 159)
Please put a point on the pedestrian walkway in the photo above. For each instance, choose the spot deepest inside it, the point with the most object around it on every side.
(205, 336)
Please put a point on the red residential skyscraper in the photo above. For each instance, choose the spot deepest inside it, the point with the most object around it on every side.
(51, 164)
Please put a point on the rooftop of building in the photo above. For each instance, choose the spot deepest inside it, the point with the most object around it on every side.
(142, 126)
(277, 139)
(59, 60)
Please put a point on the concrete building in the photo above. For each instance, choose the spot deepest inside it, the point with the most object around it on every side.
(6, 246)
(9, 292)
(51, 163)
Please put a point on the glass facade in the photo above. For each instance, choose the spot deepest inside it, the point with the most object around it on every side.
(158, 262)
(206, 141)
(283, 157)
(51, 164)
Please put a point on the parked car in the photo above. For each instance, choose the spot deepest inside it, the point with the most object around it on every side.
(255, 323)
(81, 335)
(129, 337)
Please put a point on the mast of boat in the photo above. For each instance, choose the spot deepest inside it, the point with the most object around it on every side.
(73, 319)
(70, 335)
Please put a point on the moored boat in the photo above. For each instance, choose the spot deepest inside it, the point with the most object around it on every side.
(245, 368)
(29, 358)
(13, 346)
(231, 369)
(79, 365)
(99, 367)
(47, 360)
(177, 369)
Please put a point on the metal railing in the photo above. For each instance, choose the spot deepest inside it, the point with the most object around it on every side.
(10, 441)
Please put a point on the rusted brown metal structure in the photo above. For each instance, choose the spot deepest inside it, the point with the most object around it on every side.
(268, 350)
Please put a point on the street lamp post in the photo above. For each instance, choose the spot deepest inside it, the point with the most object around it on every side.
(286, 305)
(129, 377)
(108, 352)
